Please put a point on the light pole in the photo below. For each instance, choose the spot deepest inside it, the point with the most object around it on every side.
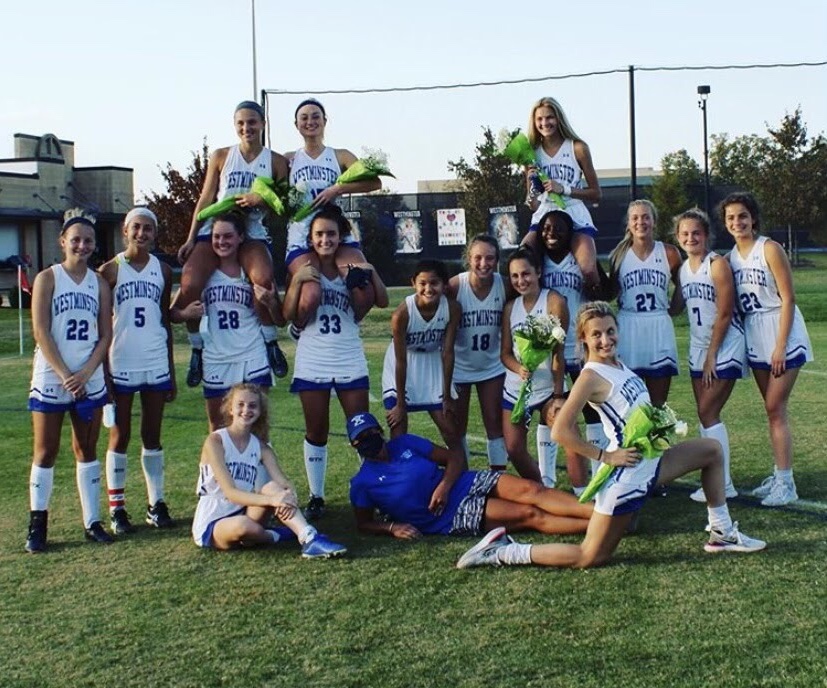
(703, 94)
(255, 77)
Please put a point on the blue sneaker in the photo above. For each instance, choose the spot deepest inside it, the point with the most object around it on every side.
(322, 548)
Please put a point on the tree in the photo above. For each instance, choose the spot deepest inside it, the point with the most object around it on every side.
(674, 191)
(489, 181)
(175, 207)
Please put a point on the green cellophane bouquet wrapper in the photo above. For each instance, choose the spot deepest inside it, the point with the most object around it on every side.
(519, 151)
(652, 430)
(535, 340)
(372, 165)
(265, 187)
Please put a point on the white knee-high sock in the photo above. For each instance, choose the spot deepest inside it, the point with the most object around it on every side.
(116, 479)
(514, 554)
(596, 436)
(41, 481)
(719, 518)
(152, 461)
(497, 458)
(315, 463)
(719, 432)
(547, 456)
(88, 477)
(268, 332)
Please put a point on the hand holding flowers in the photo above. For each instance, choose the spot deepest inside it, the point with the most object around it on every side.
(534, 340)
(519, 151)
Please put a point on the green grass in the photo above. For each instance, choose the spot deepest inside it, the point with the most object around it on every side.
(155, 610)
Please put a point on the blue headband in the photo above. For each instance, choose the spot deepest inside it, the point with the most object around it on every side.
(250, 105)
(76, 221)
(310, 101)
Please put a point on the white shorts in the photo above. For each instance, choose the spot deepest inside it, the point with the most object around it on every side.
(219, 377)
(423, 391)
(254, 228)
(297, 240)
(762, 331)
(731, 361)
(155, 380)
(647, 343)
(628, 489)
(47, 392)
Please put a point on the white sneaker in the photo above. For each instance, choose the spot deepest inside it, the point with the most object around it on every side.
(699, 496)
(733, 541)
(485, 551)
(782, 493)
(764, 489)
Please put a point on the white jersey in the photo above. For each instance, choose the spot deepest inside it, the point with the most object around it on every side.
(331, 346)
(700, 296)
(754, 282)
(477, 348)
(74, 326)
(139, 338)
(566, 278)
(644, 284)
(563, 168)
(541, 381)
(243, 467)
(234, 329)
(316, 174)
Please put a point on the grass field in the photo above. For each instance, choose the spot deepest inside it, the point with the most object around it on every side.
(154, 610)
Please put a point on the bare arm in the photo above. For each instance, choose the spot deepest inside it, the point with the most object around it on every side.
(207, 197)
(779, 265)
(399, 328)
(213, 455)
(366, 523)
(166, 295)
(454, 316)
(42, 291)
(507, 344)
(306, 273)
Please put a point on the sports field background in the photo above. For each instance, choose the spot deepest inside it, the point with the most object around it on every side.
(154, 610)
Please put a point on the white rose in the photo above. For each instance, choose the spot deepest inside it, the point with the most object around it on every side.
(681, 428)
(558, 333)
(301, 186)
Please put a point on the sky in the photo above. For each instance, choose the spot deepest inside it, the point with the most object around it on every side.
(139, 83)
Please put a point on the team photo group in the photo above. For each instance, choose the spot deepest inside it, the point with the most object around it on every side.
(533, 331)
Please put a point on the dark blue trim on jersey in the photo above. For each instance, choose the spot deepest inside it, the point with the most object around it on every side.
(636, 503)
(261, 380)
(666, 370)
(390, 402)
(301, 385)
(733, 372)
(298, 252)
(508, 405)
(796, 361)
(83, 406)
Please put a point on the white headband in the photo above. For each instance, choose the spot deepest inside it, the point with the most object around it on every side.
(137, 212)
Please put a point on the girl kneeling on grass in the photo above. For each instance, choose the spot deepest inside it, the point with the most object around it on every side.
(230, 512)
(615, 391)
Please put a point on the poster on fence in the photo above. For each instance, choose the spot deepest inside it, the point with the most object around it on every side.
(408, 231)
(450, 225)
(355, 219)
(502, 225)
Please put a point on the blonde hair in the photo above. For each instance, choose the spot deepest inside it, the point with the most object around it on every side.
(261, 428)
(563, 125)
(696, 215)
(619, 253)
(590, 311)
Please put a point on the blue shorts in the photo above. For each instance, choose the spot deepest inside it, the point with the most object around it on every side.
(299, 385)
(85, 408)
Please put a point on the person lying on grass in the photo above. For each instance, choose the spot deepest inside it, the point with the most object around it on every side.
(236, 459)
(422, 488)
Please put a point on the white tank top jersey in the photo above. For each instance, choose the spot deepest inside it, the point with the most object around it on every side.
(628, 391)
(317, 173)
(139, 338)
(477, 348)
(243, 467)
(541, 383)
(644, 284)
(74, 326)
(234, 327)
(563, 166)
(754, 283)
(332, 339)
(566, 278)
(699, 293)
(237, 177)
(426, 335)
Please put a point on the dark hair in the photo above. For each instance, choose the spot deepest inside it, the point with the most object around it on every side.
(331, 211)
(236, 219)
(481, 239)
(528, 254)
(435, 266)
(250, 105)
(748, 201)
(309, 101)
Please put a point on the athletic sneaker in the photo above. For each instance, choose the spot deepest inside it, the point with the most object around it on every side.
(322, 548)
(275, 356)
(782, 493)
(158, 515)
(315, 508)
(733, 541)
(196, 370)
(484, 553)
(119, 521)
(38, 524)
(699, 496)
(96, 533)
(357, 278)
(764, 489)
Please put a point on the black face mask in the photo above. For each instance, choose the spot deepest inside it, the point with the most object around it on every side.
(371, 446)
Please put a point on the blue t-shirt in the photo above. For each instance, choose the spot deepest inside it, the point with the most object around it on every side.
(402, 486)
